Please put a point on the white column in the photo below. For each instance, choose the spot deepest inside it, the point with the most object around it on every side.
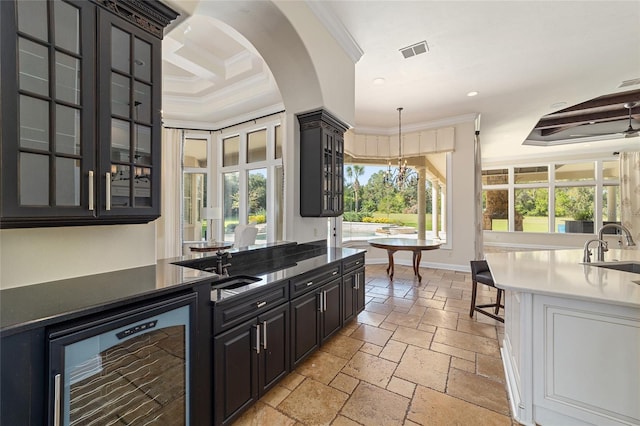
(434, 207)
(443, 209)
(422, 202)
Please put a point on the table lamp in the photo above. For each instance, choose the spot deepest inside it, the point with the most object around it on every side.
(210, 214)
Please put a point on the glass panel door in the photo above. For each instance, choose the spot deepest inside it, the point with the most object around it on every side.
(132, 368)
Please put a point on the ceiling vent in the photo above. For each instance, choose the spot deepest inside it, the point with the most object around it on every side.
(631, 82)
(415, 49)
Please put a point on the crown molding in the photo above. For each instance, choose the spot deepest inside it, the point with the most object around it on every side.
(336, 28)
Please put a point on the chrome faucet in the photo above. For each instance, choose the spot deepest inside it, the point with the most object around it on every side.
(625, 231)
(586, 257)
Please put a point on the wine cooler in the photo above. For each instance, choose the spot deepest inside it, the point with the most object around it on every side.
(132, 368)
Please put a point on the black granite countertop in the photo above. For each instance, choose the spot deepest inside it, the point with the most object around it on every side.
(39, 305)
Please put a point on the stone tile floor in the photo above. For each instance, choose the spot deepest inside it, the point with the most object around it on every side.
(413, 357)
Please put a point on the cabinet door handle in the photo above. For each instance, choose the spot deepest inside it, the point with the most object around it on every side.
(264, 334)
(309, 283)
(324, 303)
(108, 190)
(355, 279)
(334, 273)
(56, 400)
(91, 190)
(357, 262)
(261, 304)
(320, 302)
(257, 339)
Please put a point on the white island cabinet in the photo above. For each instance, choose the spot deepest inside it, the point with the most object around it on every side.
(571, 348)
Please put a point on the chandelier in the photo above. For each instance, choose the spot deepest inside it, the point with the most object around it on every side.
(403, 176)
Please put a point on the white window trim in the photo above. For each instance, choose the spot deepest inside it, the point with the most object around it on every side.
(243, 168)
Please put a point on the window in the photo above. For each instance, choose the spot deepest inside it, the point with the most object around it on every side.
(252, 181)
(194, 189)
(567, 197)
(372, 207)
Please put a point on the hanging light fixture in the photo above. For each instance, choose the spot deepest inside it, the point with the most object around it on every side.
(403, 176)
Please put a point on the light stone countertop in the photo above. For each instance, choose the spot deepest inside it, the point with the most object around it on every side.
(560, 273)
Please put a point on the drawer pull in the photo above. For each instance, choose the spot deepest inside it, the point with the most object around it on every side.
(261, 304)
(357, 262)
(334, 272)
(309, 283)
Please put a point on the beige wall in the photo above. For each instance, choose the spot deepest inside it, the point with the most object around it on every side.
(30, 256)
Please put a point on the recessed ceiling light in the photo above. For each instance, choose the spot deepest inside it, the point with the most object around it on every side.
(378, 81)
(472, 93)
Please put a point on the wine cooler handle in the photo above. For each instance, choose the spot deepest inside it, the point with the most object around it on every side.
(257, 339)
(264, 335)
(108, 190)
(56, 400)
(91, 190)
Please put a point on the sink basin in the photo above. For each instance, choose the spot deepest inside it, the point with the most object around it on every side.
(234, 282)
(633, 267)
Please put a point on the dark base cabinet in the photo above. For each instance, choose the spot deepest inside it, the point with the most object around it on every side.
(315, 317)
(352, 287)
(248, 360)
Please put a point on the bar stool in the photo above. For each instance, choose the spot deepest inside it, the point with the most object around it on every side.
(480, 273)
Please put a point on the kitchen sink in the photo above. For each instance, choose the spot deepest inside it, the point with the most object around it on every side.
(234, 282)
(633, 267)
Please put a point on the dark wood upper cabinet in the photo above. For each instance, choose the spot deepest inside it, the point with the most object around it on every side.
(321, 164)
(81, 100)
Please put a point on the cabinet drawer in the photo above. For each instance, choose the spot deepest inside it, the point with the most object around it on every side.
(353, 263)
(312, 279)
(229, 313)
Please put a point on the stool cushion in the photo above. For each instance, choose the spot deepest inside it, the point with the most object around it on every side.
(485, 277)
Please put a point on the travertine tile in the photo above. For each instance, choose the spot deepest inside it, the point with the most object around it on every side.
(463, 364)
(370, 368)
(467, 341)
(371, 349)
(313, 403)
(344, 421)
(405, 320)
(417, 310)
(478, 390)
(379, 308)
(491, 367)
(427, 327)
(467, 325)
(393, 350)
(292, 380)
(261, 414)
(456, 352)
(372, 335)
(424, 367)
(401, 387)
(371, 405)
(349, 328)
(388, 326)
(429, 407)
(371, 318)
(400, 302)
(275, 396)
(440, 318)
(413, 337)
(344, 383)
(342, 346)
(321, 366)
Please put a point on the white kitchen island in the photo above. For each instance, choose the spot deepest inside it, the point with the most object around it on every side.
(571, 348)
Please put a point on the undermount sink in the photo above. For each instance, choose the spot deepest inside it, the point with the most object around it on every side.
(633, 267)
(234, 282)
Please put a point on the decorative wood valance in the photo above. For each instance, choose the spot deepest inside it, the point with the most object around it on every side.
(370, 146)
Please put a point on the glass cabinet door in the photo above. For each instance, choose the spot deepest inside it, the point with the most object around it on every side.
(129, 119)
(52, 43)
